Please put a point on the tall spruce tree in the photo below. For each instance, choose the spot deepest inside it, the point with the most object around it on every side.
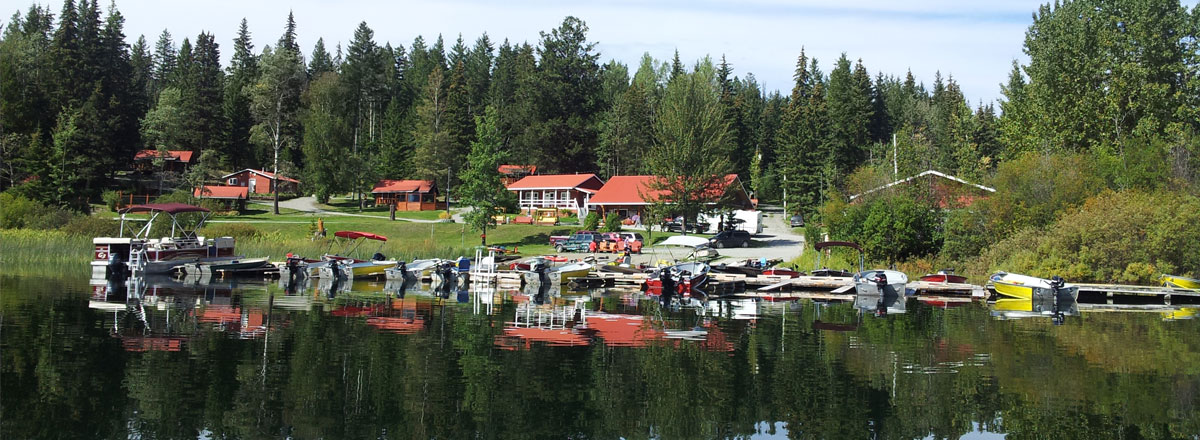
(481, 188)
(320, 61)
(274, 102)
(243, 73)
(568, 80)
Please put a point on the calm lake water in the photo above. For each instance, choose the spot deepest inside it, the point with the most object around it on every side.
(175, 360)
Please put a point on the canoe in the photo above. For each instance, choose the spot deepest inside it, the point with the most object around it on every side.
(1026, 287)
(1179, 282)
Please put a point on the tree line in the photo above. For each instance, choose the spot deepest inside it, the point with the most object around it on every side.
(1114, 79)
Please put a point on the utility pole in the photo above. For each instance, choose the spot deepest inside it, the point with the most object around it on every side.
(895, 167)
(448, 190)
(785, 211)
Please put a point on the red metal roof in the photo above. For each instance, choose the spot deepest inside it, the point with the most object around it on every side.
(222, 192)
(388, 186)
(169, 208)
(179, 155)
(266, 174)
(583, 182)
(635, 190)
(514, 169)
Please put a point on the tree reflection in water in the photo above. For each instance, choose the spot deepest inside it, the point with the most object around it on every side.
(375, 364)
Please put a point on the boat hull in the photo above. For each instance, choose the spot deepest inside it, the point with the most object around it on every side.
(944, 278)
(1180, 282)
(1027, 287)
(865, 283)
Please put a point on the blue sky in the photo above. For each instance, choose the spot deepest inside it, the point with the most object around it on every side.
(975, 41)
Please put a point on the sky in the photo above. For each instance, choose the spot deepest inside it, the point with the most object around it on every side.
(975, 41)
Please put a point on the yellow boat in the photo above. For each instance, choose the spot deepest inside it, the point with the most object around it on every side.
(1179, 282)
(1026, 287)
(573, 270)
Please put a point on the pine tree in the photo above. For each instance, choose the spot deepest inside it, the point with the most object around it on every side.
(479, 74)
(568, 80)
(68, 59)
(288, 39)
(274, 102)
(481, 188)
(849, 105)
(321, 61)
(243, 73)
(430, 136)
(327, 135)
(164, 62)
(202, 92)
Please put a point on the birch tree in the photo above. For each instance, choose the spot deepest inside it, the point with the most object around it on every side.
(274, 101)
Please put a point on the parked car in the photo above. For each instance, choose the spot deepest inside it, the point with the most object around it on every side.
(577, 242)
(797, 221)
(726, 239)
(676, 226)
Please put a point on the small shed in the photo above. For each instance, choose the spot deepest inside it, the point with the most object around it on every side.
(407, 195)
(261, 182)
(233, 197)
(173, 160)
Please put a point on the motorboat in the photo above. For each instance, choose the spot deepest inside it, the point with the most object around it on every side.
(699, 247)
(782, 272)
(572, 270)
(1179, 282)
(819, 271)
(880, 282)
(356, 268)
(227, 265)
(944, 276)
(1026, 287)
(881, 305)
(140, 254)
(1055, 308)
(688, 278)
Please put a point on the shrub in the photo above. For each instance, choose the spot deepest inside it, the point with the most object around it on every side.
(111, 199)
(90, 226)
(591, 222)
(18, 211)
(891, 227)
(1125, 237)
(612, 223)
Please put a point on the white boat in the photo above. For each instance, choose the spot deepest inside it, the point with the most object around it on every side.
(1026, 287)
(572, 270)
(140, 254)
(880, 282)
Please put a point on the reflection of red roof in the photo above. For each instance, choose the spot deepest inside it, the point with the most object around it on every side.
(399, 325)
(177, 155)
(139, 344)
(222, 192)
(584, 182)
(635, 190)
(517, 169)
(221, 313)
(623, 330)
(266, 174)
(560, 337)
(388, 186)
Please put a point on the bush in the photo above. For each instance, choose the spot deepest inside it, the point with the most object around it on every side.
(1122, 237)
(89, 226)
(891, 227)
(111, 199)
(591, 222)
(1033, 190)
(18, 211)
(612, 223)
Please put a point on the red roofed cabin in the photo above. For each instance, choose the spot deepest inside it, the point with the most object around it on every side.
(630, 195)
(261, 182)
(559, 191)
(512, 173)
(234, 197)
(941, 189)
(173, 160)
(407, 195)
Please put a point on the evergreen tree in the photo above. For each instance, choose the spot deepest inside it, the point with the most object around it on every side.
(27, 77)
(327, 134)
(203, 95)
(625, 132)
(481, 187)
(365, 74)
(803, 139)
(568, 80)
(288, 39)
(141, 62)
(479, 74)
(274, 102)
(691, 143)
(430, 136)
(243, 73)
(321, 61)
(68, 59)
(459, 124)
(849, 106)
(164, 62)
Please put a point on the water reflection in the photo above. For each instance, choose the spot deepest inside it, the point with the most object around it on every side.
(193, 358)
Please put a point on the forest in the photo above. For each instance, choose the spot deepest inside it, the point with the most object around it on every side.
(1107, 105)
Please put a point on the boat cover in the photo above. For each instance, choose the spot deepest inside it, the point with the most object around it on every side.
(684, 240)
(169, 208)
(353, 235)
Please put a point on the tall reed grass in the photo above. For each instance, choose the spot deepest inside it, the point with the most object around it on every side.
(29, 247)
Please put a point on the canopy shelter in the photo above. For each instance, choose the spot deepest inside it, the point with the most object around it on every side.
(354, 235)
(356, 238)
(155, 209)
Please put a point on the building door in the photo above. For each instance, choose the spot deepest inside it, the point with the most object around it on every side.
(252, 182)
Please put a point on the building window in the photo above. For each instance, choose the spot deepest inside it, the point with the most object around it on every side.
(233, 181)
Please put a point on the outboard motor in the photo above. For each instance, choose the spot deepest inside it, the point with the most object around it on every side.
(117, 270)
(880, 280)
(378, 257)
(1056, 282)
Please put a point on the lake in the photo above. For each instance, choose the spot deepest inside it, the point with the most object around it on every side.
(221, 359)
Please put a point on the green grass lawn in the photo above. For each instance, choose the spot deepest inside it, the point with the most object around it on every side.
(349, 205)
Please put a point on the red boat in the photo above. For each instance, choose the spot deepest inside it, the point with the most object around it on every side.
(944, 276)
(782, 271)
(689, 278)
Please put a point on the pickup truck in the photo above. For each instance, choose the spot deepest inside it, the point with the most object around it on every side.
(556, 239)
